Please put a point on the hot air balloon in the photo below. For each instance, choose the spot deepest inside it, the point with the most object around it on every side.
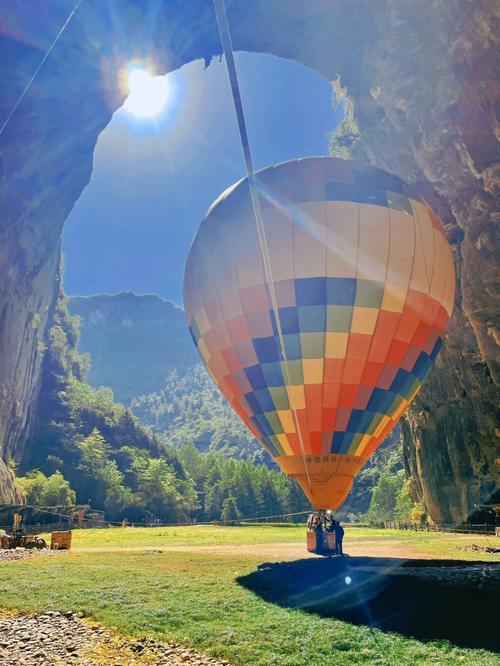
(321, 330)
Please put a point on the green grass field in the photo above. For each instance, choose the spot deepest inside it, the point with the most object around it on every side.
(436, 544)
(123, 578)
(203, 535)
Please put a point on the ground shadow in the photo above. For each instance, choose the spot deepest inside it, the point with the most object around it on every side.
(425, 599)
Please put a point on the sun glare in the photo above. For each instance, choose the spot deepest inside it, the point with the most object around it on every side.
(148, 94)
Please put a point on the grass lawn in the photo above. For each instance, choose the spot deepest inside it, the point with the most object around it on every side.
(203, 535)
(196, 599)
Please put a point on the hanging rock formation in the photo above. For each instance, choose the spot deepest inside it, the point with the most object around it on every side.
(422, 78)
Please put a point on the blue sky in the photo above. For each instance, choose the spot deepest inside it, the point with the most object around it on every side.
(153, 180)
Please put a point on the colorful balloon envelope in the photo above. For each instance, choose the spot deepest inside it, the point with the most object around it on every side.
(321, 336)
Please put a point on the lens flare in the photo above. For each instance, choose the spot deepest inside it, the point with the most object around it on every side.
(148, 94)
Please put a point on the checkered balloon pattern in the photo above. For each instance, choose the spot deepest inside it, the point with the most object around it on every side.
(364, 281)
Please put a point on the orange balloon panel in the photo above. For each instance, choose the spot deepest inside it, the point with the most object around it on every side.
(363, 279)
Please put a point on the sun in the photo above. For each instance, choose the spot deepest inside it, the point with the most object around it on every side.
(148, 94)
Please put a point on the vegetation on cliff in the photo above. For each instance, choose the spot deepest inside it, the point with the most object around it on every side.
(96, 446)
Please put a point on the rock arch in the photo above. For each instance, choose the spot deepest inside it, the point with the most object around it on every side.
(421, 76)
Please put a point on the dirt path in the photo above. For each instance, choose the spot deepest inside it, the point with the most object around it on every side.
(275, 551)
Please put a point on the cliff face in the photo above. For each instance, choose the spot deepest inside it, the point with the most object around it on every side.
(27, 298)
(422, 78)
(46, 152)
(133, 341)
(430, 117)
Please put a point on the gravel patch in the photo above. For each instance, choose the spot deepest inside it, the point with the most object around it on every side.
(10, 554)
(475, 548)
(66, 638)
(466, 575)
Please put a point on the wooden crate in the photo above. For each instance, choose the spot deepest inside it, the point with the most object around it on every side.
(328, 542)
(311, 541)
(60, 540)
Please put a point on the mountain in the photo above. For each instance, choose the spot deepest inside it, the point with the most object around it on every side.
(134, 341)
(140, 347)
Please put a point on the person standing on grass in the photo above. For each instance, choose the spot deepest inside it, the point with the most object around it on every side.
(339, 535)
(318, 528)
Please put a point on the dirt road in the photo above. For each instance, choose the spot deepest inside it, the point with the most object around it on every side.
(287, 550)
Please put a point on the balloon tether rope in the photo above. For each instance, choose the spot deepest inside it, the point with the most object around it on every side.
(41, 64)
(225, 37)
(28, 86)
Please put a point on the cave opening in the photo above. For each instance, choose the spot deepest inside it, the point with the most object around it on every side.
(168, 153)
(42, 179)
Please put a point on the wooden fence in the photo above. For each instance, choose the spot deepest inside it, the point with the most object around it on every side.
(465, 528)
(42, 528)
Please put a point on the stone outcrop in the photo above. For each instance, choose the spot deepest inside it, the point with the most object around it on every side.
(10, 493)
(422, 77)
(55, 638)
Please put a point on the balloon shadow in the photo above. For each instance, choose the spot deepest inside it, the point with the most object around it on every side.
(424, 599)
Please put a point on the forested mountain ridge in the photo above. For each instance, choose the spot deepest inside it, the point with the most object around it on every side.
(98, 446)
(189, 407)
(134, 341)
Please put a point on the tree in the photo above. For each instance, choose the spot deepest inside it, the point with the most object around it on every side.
(404, 502)
(230, 514)
(268, 496)
(383, 502)
(102, 480)
(47, 491)
(156, 486)
(418, 514)
(94, 450)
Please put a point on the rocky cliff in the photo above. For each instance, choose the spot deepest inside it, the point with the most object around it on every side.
(133, 341)
(422, 79)
(429, 115)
